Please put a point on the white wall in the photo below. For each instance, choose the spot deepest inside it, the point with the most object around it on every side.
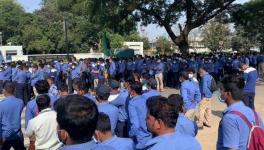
(6, 49)
(136, 46)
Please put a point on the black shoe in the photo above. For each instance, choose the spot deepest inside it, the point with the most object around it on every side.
(208, 126)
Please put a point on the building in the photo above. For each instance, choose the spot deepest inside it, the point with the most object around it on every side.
(6, 52)
(136, 46)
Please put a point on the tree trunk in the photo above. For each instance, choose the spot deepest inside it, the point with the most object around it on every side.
(182, 40)
(183, 46)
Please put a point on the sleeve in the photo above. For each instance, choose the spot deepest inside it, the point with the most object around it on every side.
(118, 101)
(184, 95)
(29, 114)
(197, 96)
(230, 133)
(1, 131)
(245, 75)
(133, 120)
(29, 129)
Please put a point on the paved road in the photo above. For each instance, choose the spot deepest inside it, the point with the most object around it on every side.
(208, 136)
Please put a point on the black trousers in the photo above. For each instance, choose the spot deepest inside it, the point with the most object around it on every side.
(17, 144)
(248, 99)
(121, 129)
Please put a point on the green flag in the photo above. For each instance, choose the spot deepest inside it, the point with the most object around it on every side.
(106, 45)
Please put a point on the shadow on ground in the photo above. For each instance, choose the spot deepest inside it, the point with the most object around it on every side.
(217, 113)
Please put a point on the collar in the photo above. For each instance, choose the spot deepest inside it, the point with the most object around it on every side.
(233, 106)
(110, 140)
(46, 110)
(160, 138)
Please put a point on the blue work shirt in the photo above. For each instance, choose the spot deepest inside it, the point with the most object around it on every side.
(31, 109)
(137, 110)
(190, 93)
(21, 77)
(1, 75)
(10, 117)
(173, 141)
(205, 85)
(121, 102)
(233, 132)
(14, 72)
(235, 64)
(53, 90)
(7, 74)
(159, 67)
(175, 66)
(111, 111)
(250, 77)
(75, 73)
(89, 96)
(139, 66)
(149, 93)
(186, 126)
(35, 77)
(119, 143)
(91, 145)
(121, 67)
(112, 68)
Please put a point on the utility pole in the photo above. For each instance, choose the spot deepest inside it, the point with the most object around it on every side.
(65, 29)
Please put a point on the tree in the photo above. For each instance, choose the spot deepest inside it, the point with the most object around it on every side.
(12, 19)
(216, 36)
(166, 13)
(250, 18)
(163, 45)
(241, 41)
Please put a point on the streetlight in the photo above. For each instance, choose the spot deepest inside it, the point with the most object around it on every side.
(65, 29)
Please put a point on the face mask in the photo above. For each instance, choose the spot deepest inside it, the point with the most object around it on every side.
(73, 67)
(219, 97)
(190, 76)
(5, 67)
(74, 92)
(144, 87)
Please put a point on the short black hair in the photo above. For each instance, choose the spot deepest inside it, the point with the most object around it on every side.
(78, 116)
(43, 101)
(184, 75)
(9, 87)
(42, 86)
(177, 100)
(63, 87)
(137, 87)
(203, 68)
(103, 123)
(83, 86)
(160, 108)
(234, 84)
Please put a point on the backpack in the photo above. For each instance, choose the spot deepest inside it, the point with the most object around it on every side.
(256, 134)
(213, 86)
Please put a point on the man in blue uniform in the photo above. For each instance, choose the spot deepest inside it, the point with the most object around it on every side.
(233, 132)
(82, 89)
(105, 136)
(41, 87)
(120, 100)
(10, 118)
(102, 94)
(184, 125)
(77, 118)
(205, 103)
(191, 95)
(137, 116)
(161, 121)
(158, 71)
(149, 88)
(250, 77)
(20, 79)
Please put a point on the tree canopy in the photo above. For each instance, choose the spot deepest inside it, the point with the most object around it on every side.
(166, 13)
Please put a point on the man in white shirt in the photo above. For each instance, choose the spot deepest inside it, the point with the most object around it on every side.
(44, 126)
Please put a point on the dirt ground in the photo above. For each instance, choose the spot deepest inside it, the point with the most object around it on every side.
(208, 136)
